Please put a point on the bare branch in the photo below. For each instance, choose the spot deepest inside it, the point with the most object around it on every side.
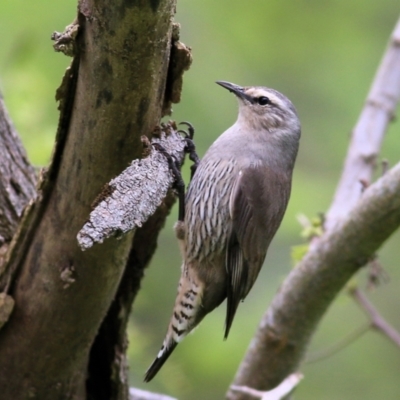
(133, 196)
(305, 295)
(369, 132)
(137, 394)
(377, 321)
(278, 393)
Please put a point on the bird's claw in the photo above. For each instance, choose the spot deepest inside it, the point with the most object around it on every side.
(179, 184)
(190, 132)
(190, 147)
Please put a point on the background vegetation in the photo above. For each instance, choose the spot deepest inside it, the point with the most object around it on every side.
(321, 55)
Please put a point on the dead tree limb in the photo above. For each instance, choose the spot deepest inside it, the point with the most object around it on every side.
(129, 199)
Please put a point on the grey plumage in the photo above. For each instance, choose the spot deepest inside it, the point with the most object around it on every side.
(234, 206)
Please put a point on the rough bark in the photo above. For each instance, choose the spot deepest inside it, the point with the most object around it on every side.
(18, 179)
(17, 189)
(128, 200)
(112, 94)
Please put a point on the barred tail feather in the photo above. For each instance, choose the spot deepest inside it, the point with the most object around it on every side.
(185, 316)
(162, 356)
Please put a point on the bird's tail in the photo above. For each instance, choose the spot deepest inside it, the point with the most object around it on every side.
(162, 356)
(186, 315)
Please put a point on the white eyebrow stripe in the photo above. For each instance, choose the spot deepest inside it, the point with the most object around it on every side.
(258, 92)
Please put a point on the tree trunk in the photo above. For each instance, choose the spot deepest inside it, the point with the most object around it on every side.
(112, 94)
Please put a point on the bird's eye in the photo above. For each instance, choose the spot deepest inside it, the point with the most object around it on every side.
(263, 101)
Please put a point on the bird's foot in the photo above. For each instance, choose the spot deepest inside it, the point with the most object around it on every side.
(190, 147)
(179, 184)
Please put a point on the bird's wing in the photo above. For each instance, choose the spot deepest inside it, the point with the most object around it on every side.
(257, 203)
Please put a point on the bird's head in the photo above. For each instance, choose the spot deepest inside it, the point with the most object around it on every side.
(263, 108)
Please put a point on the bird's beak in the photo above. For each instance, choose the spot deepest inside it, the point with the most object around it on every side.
(236, 89)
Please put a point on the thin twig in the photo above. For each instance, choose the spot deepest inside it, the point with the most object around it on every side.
(337, 347)
(376, 274)
(377, 321)
(138, 394)
(277, 393)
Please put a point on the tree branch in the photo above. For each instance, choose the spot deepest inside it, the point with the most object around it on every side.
(377, 321)
(369, 132)
(307, 292)
(133, 196)
(282, 390)
(138, 394)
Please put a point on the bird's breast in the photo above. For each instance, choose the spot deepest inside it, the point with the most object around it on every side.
(207, 220)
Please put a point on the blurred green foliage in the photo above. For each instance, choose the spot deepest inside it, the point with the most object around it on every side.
(323, 56)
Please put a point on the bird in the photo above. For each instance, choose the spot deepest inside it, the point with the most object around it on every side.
(234, 205)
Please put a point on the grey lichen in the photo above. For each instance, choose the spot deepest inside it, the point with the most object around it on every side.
(133, 196)
(65, 42)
